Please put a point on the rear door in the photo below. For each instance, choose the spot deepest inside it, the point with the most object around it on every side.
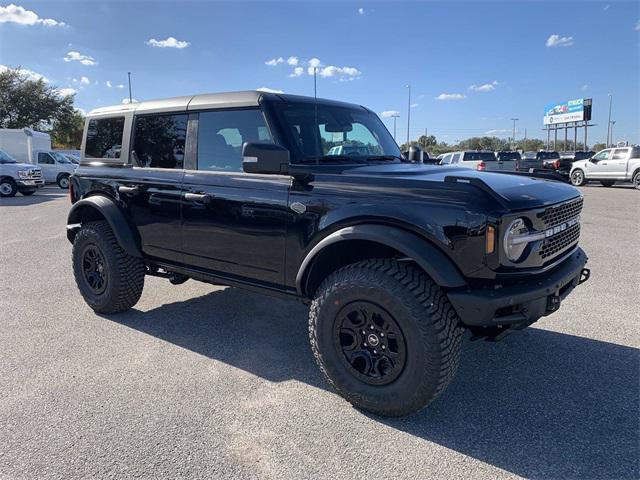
(617, 167)
(234, 222)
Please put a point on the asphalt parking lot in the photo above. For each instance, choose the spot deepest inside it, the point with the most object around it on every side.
(205, 381)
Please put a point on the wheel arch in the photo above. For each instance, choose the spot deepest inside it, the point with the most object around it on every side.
(100, 207)
(359, 242)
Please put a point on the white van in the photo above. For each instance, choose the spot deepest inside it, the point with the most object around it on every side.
(29, 146)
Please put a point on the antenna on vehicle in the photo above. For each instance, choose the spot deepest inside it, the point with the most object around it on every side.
(315, 97)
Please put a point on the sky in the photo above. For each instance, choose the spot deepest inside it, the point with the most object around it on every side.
(472, 66)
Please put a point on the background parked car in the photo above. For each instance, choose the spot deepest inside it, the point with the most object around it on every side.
(478, 160)
(538, 160)
(18, 177)
(609, 166)
(56, 167)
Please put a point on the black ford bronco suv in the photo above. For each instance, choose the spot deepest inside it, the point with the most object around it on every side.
(396, 259)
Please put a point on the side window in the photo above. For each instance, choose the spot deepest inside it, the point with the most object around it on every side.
(221, 135)
(446, 159)
(104, 137)
(159, 141)
(620, 154)
(455, 158)
(45, 159)
(603, 155)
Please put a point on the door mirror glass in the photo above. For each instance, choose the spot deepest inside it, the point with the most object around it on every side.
(264, 158)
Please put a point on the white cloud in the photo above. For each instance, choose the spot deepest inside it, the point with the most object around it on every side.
(169, 42)
(340, 72)
(65, 92)
(606, 7)
(84, 80)
(637, 28)
(361, 11)
(268, 90)
(74, 56)
(30, 74)
(414, 105)
(390, 113)
(17, 14)
(450, 96)
(108, 83)
(314, 62)
(274, 61)
(498, 131)
(126, 100)
(297, 72)
(120, 85)
(558, 41)
(585, 87)
(485, 87)
(293, 61)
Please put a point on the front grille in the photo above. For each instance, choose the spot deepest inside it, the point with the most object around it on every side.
(560, 242)
(34, 174)
(555, 216)
(558, 214)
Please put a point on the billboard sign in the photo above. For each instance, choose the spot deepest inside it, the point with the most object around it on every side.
(570, 111)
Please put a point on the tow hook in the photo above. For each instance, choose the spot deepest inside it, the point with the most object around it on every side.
(553, 303)
(584, 275)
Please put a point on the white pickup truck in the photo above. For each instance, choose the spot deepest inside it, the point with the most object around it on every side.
(609, 166)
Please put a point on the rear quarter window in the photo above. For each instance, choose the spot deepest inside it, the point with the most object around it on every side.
(104, 137)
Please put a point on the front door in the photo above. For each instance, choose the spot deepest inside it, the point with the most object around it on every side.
(152, 189)
(598, 166)
(234, 222)
(48, 166)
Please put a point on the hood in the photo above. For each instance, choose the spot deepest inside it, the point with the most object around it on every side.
(20, 166)
(517, 192)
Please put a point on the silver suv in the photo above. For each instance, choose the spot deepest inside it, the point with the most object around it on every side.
(18, 177)
(609, 166)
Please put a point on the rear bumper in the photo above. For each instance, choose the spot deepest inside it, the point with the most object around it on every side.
(520, 302)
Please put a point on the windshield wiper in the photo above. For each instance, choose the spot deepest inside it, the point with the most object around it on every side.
(385, 157)
(341, 158)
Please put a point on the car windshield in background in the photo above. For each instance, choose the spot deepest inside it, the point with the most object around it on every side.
(341, 134)
(508, 156)
(6, 158)
(549, 155)
(60, 157)
(484, 156)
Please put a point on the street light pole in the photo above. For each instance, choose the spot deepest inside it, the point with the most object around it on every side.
(394, 116)
(612, 122)
(609, 122)
(408, 115)
(513, 137)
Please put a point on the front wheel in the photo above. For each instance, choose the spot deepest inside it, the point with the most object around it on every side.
(63, 181)
(108, 278)
(577, 178)
(8, 188)
(385, 336)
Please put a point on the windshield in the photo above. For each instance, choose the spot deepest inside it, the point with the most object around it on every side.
(60, 158)
(341, 132)
(548, 155)
(6, 158)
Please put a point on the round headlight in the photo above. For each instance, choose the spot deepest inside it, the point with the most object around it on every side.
(514, 239)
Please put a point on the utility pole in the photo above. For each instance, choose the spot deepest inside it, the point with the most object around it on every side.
(513, 137)
(609, 121)
(395, 115)
(408, 115)
(130, 97)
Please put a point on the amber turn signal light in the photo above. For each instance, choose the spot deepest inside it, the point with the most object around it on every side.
(490, 246)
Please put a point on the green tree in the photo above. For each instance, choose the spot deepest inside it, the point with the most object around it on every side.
(25, 102)
(531, 145)
(67, 130)
(599, 146)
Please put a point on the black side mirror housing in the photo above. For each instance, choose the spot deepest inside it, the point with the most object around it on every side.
(264, 158)
(415, 154)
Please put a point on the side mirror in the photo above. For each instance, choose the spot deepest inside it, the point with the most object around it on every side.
(415, 154)
(264, 158)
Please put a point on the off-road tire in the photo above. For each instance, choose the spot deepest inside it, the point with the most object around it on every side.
(607, 183)
(577, 178)
(429, 325)
(26, 193)
(124, 273)
(63, 181)
(8, 188)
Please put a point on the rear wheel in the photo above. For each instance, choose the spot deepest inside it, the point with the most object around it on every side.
(108, 278)
(63, 181)
(8, 187)
(385, 336)
(607, 183)
(636, 180)
(577, 178)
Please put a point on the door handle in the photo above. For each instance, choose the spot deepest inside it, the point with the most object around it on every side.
(603, 163)
(128, 190)
(198, 197)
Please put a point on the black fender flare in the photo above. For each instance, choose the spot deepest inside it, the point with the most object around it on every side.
(114, 216)
(429, 257)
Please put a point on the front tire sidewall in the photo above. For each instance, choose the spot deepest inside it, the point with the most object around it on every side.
(8, 188)
(577, 178)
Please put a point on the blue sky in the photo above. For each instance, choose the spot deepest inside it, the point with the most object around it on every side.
(472, 65)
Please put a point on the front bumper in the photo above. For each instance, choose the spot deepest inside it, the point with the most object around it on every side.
(520, 302)
(30, 183)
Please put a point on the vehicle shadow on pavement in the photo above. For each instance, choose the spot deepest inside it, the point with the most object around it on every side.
(40, 196)
(538, 404)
